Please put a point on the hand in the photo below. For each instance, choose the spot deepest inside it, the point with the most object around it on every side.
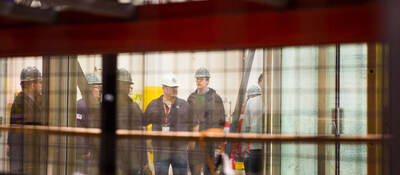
(147, 170)
(191, 145)
(149, 146)
(245, 154)
(87, 156)
(8, 150)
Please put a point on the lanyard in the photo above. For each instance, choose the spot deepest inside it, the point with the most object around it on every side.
(166, 113)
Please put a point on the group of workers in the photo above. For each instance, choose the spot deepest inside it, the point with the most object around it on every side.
(201, 111)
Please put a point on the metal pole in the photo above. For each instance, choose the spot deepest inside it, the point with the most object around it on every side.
(263, 102)
(337, 107)
(248, 62)
(108, 116)
(249, 57)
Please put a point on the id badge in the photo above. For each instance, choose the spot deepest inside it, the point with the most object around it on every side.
(165, 129)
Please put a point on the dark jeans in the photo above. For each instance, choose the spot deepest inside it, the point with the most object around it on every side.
(16, 153)
(198, 158)
(179, 166)
(253, 164)
(83, 164)
(16, 159)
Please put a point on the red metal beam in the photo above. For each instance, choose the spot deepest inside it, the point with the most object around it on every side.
(186, 9)
(353, 23)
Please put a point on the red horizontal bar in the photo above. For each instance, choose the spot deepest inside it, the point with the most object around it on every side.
(352, 23)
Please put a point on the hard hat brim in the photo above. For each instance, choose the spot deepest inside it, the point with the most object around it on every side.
(202, 76)
(171, 85)
(37, 79)
(94, 83)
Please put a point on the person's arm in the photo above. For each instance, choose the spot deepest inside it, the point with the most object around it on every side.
(142, 150)
(196, 122)
(193, 124)
(246, 125)
(82, 121)
(247, 120)
(16, 117)
(146, 121)
(83, 142)
(219, 117)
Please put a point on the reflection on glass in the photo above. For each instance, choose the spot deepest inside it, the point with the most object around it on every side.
(201, 95)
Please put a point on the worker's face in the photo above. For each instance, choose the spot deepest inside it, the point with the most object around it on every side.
(202, 83)
(37, 86)
(96, 91)
(124, 87)
(170, 91)
(261, 84)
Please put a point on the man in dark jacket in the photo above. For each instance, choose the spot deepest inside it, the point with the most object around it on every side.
(131, 153)
(169, 113)
(209, 110)
(24, 150)
(86, 147)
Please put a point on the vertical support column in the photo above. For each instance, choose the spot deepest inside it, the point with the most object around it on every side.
(391, 114)
(385, 125)
(71, 122)
(3, 109)
(275, 98)
(108, 115)
(374, 103)
(322, 107)
(266, 107)
(46, 106)
(337, 107)
(45, 86)
(58, 110)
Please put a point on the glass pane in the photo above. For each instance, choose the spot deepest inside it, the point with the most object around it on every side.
(299, 108)
(353, 101)
(299, 93)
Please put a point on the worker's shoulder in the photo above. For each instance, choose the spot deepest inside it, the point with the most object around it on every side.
(81, 103)
(181, 102)
(192, 96)
(156, 101)
(214, 93)
(254, 100)
(19, 99)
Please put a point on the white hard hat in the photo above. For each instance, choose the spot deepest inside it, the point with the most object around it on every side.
(202, 73)
(170, 80)
(254, 90)
(124, 75)
(30, 73)
(92, 79)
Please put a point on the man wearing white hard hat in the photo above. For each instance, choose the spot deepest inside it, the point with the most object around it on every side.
(252, 123)
(170, 113)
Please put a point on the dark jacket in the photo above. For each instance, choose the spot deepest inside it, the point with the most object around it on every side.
(26, 149)
(86, 120)
(208, 109)
(180, 119)
(131, 153)
(26, 110)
